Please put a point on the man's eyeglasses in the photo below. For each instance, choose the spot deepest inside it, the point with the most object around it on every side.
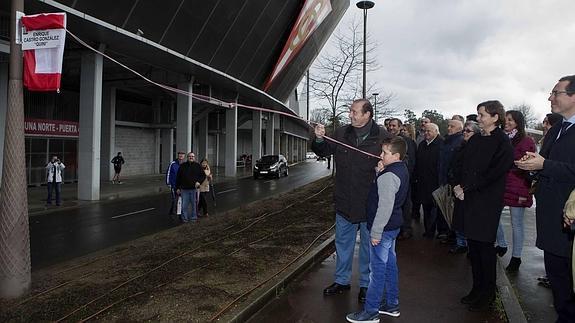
(556, 92)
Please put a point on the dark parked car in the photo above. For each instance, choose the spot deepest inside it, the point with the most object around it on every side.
(271, 165)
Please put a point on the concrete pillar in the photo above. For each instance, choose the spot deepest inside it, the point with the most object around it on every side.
(3, 107)
(90, 123)
(256, 135)
(108, 132)
(184, 119)
(157, 108)
(167, 136)
(231, 141)
(270, 140)
(202, 143)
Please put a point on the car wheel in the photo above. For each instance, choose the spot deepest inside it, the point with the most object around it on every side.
(286, 172)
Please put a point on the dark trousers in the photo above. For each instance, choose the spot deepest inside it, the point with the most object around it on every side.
(57, 187)
(174, 197)
(203, 204)
(483, 267)
(430, 219)
(415, 205)
(406, 210)
(559, 273)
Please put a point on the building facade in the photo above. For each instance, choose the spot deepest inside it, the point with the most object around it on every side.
(221, 51)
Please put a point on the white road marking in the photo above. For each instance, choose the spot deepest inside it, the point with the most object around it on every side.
(231, 190)
(131, 213)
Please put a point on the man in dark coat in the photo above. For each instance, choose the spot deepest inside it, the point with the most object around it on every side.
(393, 128)
(354, 175)
(556, 180)
(188, 179)
(427, 176)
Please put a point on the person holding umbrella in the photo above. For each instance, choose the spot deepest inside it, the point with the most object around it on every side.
(470, 129)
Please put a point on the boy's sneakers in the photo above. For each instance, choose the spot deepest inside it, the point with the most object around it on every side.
(363, 317)
(391, 310)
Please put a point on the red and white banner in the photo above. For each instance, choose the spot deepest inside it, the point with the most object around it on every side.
(43, 38)
(51, 128)
(311, 16)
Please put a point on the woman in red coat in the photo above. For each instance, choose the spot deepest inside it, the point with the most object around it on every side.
(517, 184)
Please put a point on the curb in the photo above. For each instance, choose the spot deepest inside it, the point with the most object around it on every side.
(276, 287)
(511, 305)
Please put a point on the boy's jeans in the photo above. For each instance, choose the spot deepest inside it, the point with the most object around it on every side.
(384, 280)
(517, 214)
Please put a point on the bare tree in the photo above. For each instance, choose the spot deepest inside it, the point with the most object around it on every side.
(527, 110)
(336, 76)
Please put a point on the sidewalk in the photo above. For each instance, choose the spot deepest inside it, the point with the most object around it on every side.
(132, 186)
(431, 284)
(536, 301)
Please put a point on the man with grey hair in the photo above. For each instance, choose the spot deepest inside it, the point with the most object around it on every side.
(420, 136)
(427, 176)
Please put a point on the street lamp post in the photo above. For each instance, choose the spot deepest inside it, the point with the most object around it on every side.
(375, 106)
(364, 5)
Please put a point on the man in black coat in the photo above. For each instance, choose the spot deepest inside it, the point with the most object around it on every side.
(393, 128)
(354, 175)
(556, 180)
(190, 175)
(427, 176)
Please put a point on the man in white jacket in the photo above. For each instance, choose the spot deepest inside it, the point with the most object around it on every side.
(54, 179)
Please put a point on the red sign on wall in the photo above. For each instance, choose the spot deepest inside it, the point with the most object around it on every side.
(56, 128)
(311, 16)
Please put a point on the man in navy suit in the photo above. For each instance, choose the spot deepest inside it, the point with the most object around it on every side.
(555, 166)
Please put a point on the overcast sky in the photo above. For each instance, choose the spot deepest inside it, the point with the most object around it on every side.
(451, 55)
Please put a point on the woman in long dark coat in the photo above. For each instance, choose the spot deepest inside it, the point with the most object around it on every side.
(486, 160)
(471, 128)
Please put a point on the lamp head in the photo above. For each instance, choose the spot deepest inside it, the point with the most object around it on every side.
(365, 4)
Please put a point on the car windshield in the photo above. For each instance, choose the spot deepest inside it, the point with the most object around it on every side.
(269, 159)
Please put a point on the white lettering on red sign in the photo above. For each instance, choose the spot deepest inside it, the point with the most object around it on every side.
(58, 128)
(311, 16)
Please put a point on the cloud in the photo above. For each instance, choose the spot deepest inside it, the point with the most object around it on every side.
(451, 55)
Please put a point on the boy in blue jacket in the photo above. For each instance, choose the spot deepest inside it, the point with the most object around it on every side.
(384, 218)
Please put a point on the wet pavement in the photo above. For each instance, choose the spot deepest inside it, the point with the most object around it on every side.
(431, 284)
(69, 232)
(536, 300)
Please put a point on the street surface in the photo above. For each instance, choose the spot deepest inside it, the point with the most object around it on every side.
(71, 233)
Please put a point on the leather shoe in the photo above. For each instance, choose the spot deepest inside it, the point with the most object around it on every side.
(362, 294)
(335, 288)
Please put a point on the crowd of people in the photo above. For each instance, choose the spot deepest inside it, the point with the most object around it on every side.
(486, 162)
(190, 184)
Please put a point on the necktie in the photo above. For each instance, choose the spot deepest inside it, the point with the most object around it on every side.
(564, 127)
(54, 177)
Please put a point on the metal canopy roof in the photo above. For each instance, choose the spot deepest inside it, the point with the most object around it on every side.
(231, 45)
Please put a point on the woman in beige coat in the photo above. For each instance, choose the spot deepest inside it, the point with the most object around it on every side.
(205, 188)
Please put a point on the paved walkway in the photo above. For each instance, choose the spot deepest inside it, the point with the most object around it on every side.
(431, 284)
(536, 301)
(133, 186)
